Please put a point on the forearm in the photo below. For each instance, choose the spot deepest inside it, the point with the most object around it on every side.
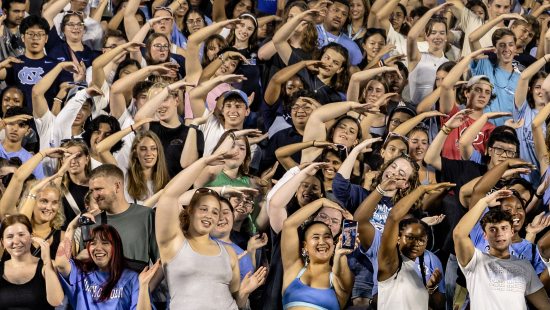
(52, 10)
(403, 206)
(347, 166)
(469, 220)
(144, 301)
(54, 291)
(98, 13)
(44, 84)
(210, 70)
(408, 125)
(476, 35)
(106, 144)
(366, 210)
(282, 35)
(129, 81)
(433, 154)
(267, 51)
(218, 11)
(427, 104)
(488, 181)
(149, 109)
(300, 216)
(115, 21)
(190, 152)
(469, 135)
(291, 149)
(184, 180)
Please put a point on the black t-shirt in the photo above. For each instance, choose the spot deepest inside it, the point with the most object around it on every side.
(173, 140)
(280, 139)
(77, 192)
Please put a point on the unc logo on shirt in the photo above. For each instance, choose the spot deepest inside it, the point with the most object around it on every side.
(30, 76)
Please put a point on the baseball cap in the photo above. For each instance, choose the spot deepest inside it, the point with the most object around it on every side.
(476, 79)
(236, 93)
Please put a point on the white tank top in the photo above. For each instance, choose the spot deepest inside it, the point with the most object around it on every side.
(422, 78)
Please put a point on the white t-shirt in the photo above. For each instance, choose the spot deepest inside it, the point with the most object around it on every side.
(404, 291)
(469, 23)
(495, 283)
(212, 131)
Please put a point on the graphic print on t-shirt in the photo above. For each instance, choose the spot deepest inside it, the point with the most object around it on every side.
(30, 75)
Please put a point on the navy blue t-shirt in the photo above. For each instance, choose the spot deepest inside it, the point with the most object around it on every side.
(25, 75)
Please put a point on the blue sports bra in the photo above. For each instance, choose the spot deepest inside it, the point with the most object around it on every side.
(298, 294)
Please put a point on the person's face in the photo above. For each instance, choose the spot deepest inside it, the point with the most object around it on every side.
(498, 235)
(101, 252)
(397, 119)
(374, 90)
(104, 191)
(506, 49)
(513, 206)
(539, 95)
(47, 206)
(300, 112)
(160, 49)
(100, 134)
(195, 22)
(412, 241)
(78, 5)
(400, 169)
(239, 152)
(308, 191)
(35, 39)
(128, 70)
(243, 206)
(16, 13)
(205, 215)
(418, 145)
(437, 37)
(244, 30)
(113, 42)
(345, 133)
(524, 34)
(213, 49)
(333, 164)
(228, 67)
(393, 149)
(182, 9)
(374, 44)
(479, 96)
(293, 85)
(11, 98)
(16, 131)
(501, 151)
(356, 9)
(294, 11)
(499, 7)
(78, 164)
(244, 6)
(17, 240)
(141, 100)
(331, 217)
(165, 25)
(168, 108)
(4, 171)
(140, 20)
(83, 114)
(397, 18)
(318, 243)
(225, 222)
(147, 153)
(262, 31)
(478, 10)
(234, 112)
(337, 16)
(439, 77)
(395, 81)
(74, 29)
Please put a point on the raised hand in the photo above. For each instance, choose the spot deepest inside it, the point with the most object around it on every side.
(8, 62)
(256, 242)
(539, 223)
(93, 91)
(458, 119)
(166, 68)
(516, 125)
(492, 199)
(433, 220)
(364, 146)
(434, 279)
(252, 281)
(492, 115)
(148, 273)
(44, 249)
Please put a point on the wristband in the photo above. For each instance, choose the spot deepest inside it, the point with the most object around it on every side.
(539, 196)
(57, 99)
(446, 130)
(380, 190)
(431, 290)
(193, 126)
(31, 196)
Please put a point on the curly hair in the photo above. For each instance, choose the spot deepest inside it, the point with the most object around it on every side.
(59, 218)
(413, 180)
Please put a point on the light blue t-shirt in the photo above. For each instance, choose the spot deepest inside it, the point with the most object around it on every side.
(83, 290)
(326, 37)
(526, 142)
(504, 83)
(431, 262)
(24, 155)
(245, 262)
(522, 250)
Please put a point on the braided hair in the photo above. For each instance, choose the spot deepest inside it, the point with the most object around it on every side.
(402, 225)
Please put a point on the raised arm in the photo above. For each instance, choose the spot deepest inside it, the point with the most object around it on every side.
(464, 247)
(475, 36)
(98, 73)
(116, 20)
(523, 84)
(149, 109)
(197, 96)
(30, 202)
(381, 16)
(407, 126)
(52, 10)
(365, 212)
(388, 256)
(273, 90)
(361, 77)
(65, 249)
(284, 153)
(39, 103)
(98, 12)
(280, 38)
(541, 149)
(469, 135)
(218, 11)
(347, 166)
(131, 24)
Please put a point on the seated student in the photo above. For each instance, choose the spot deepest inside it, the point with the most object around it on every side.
(488, 275)
(15, 132)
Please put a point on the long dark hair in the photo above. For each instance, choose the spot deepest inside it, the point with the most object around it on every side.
(532, 82)
(116, 265)
(95, 124)
(402, 225)
(339, 80)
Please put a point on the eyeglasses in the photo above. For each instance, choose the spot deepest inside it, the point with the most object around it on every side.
(35, 35)
(418, 240)
(161, 47)
(197, 21)
(74, 13)
(245, 202)
(325, 218)
(164, 8)
(499, 151)
(75, 25)
(305, 108)
(206, 191)
(392, 136)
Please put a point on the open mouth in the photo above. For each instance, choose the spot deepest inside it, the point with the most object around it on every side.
(206, 223)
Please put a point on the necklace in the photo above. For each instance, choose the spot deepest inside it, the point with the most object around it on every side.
(315, 85)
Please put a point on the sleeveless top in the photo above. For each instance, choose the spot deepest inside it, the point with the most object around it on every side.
(422, 77)
(56, 240)
(404, 290)
(30, 295)
(199, 281)
(297, 294)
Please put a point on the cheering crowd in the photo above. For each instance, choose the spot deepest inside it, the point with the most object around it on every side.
(272, 154)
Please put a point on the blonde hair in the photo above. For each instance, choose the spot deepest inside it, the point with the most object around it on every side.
(59, 218)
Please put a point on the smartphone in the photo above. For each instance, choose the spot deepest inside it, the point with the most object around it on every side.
(349, 234)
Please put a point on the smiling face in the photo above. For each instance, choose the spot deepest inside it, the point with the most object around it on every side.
(524, 34)
(334, 163)
(300, 112)
(228, 67)
(243, 206)
(373, 45)
(244, 31)
(47, 206)
(16, 239)
(147, 153)
(333, 63)
(12, 97)
(225, 222)
(182, 9)
(331, 217)
(506, 49)
(418, 145)
(393, 149)
(437, 36)
(318, 243)
(400, 169)
(205, 215)
(357, 9)
(101, 252)
(74, 29)
(513, 206)
(412, 240)
(346, 133)
(234, 112)
(308, 191)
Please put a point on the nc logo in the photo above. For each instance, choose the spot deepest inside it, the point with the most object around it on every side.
(30, 76)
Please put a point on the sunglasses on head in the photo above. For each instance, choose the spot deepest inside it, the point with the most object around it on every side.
(74, 13)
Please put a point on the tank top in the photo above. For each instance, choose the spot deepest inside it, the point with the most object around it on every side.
(404, 290)
(422, 77)
(297, 294)
(199, 281)
(30, 295)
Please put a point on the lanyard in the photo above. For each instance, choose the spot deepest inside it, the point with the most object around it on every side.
(356, 35)
(326, 39)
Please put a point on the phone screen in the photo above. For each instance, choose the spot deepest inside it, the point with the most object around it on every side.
(349, 234)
